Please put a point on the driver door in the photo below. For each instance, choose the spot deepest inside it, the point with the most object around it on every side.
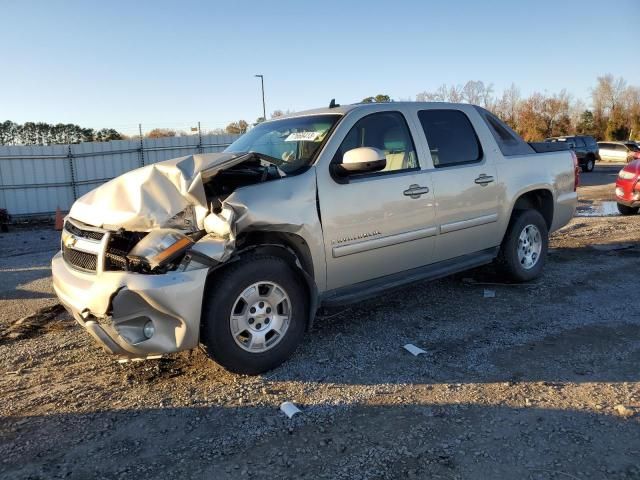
(381, 223)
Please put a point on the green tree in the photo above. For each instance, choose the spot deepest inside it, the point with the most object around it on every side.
(587, 124)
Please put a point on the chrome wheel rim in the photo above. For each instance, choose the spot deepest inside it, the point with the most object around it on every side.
(590, 165)
(529, 246)
(260, 317)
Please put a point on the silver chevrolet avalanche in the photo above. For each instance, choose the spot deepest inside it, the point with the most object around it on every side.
(235, 251)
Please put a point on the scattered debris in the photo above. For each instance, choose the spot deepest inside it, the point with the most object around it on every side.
(623, 411)
(289, 409)
(29, 325)
(412, 349)
(489, 293)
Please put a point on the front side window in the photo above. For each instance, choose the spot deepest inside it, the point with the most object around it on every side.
(386, 131)
(579, 142)
(451, 137)
(291, 143)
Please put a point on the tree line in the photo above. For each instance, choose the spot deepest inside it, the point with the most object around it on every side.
(614, 113)
(41, 133)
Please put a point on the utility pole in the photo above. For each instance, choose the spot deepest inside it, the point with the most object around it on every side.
(264, 108)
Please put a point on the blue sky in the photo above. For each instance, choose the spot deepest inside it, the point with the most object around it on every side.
(173, 63)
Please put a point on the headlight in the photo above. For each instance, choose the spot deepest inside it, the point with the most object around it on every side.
(160, 246)
(626, 175)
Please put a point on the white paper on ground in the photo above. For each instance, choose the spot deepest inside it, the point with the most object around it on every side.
(412, 349)
(289, 409)
(489, 293)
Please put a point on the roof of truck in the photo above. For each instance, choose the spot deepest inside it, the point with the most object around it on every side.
(343, 109)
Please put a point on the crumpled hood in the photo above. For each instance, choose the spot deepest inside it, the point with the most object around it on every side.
(148, 197)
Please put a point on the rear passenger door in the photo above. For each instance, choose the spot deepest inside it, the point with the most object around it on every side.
(465, 184)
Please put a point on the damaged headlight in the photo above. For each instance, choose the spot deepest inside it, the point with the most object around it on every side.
(160, 247)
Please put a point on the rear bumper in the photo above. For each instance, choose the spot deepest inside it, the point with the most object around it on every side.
(114, 307)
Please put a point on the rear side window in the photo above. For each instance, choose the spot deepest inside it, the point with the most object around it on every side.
(509, 142)
(579, 142)
(451, 137)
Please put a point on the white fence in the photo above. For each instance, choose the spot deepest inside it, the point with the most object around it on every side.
(35, 180)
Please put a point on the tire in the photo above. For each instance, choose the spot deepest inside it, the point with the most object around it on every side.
(510, 263)
(236, 351)
(624, 210)
(589, 166)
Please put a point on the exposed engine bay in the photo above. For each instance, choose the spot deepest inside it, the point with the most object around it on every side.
(123, 247)
(252, 171)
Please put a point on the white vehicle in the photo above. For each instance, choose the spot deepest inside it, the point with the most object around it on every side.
(621, 152)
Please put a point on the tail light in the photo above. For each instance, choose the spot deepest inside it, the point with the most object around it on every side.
(576, 171)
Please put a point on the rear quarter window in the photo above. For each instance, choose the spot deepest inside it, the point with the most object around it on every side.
(451, 137)
(509, 142)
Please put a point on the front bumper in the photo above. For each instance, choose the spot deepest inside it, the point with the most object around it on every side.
(114, 307)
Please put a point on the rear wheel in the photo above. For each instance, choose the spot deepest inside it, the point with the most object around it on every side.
(524, 249)
(625, 210)
(255, 316)
(589, 165)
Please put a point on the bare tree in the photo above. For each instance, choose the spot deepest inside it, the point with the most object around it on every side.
(160, 133)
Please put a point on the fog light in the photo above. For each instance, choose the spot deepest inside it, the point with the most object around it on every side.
(149, 329)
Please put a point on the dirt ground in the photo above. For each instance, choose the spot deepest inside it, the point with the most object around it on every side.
(541, 381)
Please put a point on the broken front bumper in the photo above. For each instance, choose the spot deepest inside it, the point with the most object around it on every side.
(115, 307)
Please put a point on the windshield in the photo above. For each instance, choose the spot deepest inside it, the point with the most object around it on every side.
(293, 143)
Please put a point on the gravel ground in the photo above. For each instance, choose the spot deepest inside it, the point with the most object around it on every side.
(539, 382)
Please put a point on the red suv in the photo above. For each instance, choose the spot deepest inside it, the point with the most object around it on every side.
(628, 189)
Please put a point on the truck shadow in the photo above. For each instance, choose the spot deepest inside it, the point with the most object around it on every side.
(405, 440)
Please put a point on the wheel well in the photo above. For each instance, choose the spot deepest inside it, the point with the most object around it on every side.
(540, 200)
(290, 247)
(296, 247)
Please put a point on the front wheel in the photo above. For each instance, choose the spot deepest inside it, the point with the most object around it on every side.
(524, 249)
(255, 315)
(625, 210)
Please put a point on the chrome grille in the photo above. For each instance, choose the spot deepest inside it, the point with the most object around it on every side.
(80, 260)
(78, 232)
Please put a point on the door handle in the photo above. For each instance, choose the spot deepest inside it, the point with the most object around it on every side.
(415, 190)
(484, 179)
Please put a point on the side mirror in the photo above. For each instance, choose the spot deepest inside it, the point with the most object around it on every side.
(361, 160)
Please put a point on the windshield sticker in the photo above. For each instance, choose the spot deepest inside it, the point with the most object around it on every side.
(302, 137)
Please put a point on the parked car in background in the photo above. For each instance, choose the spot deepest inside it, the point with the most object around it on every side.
(237, 250)
(585, 148)
(619, 151)
(628, 189)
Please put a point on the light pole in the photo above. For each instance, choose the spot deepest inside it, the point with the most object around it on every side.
(264, 109)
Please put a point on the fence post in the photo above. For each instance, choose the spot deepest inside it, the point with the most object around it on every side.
(141, 146)
(72, 169)
(199, 139)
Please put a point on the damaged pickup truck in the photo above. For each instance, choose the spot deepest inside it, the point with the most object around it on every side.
(235, 251)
